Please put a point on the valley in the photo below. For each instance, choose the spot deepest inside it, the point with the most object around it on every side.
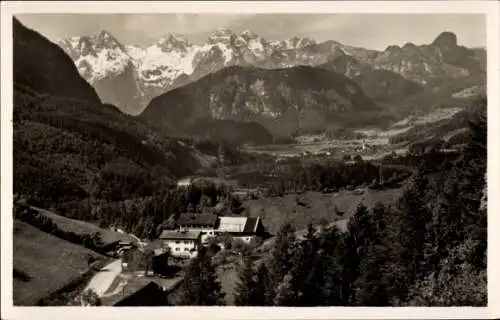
(155, 168)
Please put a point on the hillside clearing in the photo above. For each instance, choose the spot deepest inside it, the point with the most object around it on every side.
(44, 264)
(317, 207)
(82, 227)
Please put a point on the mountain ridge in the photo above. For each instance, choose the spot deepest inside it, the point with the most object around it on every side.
(173, 61)
(282, 100)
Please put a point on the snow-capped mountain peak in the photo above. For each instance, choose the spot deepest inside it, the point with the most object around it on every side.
(174, 41)
(97, 56)
(221, 35)
(247, 34)
(172, 60)
(104, 40)
(104, 35)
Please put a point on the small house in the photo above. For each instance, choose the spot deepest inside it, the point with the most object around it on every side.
(182, 243)
(185, 182)
(244, 228)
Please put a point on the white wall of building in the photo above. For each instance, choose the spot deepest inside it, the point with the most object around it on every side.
(246, 239)
(207, 233)
(182, 247)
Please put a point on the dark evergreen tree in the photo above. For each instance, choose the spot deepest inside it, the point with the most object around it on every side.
(201, 286)
(328, 277)
(264, 287)
(305, 269)
(415, 221)
(246, 293)
(371, 284)
(148, 261)
(282, 254)
(285, 294)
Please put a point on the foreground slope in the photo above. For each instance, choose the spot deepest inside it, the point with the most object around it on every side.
(44, 264)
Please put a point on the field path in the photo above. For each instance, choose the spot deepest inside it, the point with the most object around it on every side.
(104, 278)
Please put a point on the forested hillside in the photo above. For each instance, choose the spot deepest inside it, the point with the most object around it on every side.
(87, 160)
(428, 250)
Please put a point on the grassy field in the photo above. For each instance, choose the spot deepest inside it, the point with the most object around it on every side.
(83, 227)
(314, 207)
(44, 264)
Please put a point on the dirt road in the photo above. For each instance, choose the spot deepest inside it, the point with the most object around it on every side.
(104, 278)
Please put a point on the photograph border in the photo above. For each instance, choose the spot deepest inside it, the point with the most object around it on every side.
(489, 8)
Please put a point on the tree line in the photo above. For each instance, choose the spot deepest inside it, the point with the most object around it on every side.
(25, 214)
(331, 177)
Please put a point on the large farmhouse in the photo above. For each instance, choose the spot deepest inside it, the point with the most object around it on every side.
(206, 223)
(182, 243)
(195, 229)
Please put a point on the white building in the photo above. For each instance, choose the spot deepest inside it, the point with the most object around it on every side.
(244, 228)
(182, 243)
(185, 182)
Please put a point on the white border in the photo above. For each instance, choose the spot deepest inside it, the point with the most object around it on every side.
(489, 8)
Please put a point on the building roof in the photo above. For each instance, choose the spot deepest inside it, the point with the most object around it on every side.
(232, 224)
(239, 224)
(150, 294)
(251, 224)
(197, 219)
(176, 234)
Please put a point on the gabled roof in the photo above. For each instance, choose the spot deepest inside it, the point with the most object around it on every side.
(251, 224)
(239, 224)
(232, 224)
(175, 234)
(197, 219)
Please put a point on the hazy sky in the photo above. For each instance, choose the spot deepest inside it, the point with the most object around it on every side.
(375, 31)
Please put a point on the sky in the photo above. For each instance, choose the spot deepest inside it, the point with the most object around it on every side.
(374, 31)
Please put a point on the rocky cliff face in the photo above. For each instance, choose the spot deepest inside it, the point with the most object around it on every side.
(284, 101)
(378, 84)
(442, 58)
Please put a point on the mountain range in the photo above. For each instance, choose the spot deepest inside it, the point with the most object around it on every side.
(130, 76)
